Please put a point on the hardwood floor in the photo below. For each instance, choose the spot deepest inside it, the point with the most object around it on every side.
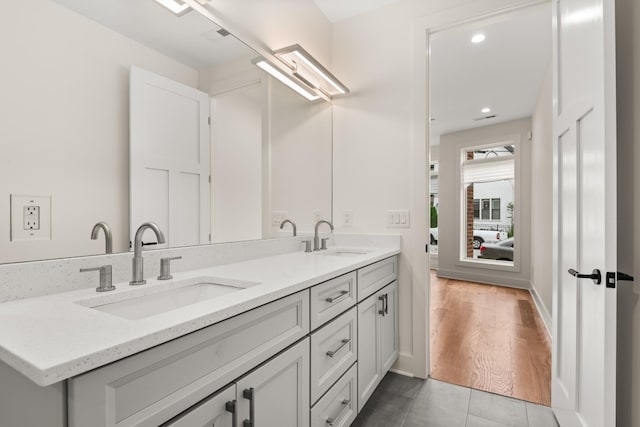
(489, 338)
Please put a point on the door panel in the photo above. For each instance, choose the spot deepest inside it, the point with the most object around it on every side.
(280, 390)
(368, 350)
(389, 328)
(169, 158)
(584, 318)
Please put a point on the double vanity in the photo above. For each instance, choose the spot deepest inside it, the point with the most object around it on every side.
(285, 339)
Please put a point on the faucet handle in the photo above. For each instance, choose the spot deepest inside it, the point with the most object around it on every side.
(323, 245)
(165, 268)
(307, 245)
(106, 277)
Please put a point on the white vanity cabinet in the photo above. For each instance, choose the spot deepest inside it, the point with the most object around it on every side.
(277, 393)
(153, 386)
(377, 339)
(218, 410)
(274, 394)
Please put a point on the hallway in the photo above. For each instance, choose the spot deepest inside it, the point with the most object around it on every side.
(489, 338)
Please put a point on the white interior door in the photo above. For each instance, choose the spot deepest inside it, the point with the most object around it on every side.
(584, 313)
(169, 158)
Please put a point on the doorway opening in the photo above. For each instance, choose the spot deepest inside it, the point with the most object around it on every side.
(490, 115)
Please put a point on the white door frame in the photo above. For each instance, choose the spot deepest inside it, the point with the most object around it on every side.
(422, 28)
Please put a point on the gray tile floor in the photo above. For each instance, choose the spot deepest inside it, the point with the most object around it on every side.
(400, 401)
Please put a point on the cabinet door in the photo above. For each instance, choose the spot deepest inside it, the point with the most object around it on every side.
(217, 411)
(368, 347)
(389, 327)
(277, 393)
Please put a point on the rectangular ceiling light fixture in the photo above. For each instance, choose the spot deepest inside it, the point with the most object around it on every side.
(309, 70)
(287, 80)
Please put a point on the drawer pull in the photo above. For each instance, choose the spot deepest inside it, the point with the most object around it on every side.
(382, 312)
(230, 406)
(331, 300)
(249, 394)
(331, 421)
(344, 341)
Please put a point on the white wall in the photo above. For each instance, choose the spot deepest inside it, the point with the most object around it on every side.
(236, 159)
(300, 158)
(65, 124)
(379, 153)
(542, 199)
(628, 99)
(450, 210)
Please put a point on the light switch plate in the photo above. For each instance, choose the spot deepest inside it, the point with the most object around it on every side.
(398, 219)
(277, 217)
(30, 217)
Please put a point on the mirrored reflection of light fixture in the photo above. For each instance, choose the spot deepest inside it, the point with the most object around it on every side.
(178, 7)
(265, 65)
(306, 68)
(175, 6)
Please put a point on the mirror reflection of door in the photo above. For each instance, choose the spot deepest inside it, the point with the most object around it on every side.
(169, 159)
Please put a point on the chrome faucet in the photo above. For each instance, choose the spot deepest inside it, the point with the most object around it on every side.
(293, 224)
(138, 271)
(316, 240)
(108, 238)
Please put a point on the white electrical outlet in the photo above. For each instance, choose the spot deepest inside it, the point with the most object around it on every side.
(348, 218)
(30, 217)
(398, 219)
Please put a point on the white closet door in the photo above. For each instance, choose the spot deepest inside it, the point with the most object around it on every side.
(169, 159)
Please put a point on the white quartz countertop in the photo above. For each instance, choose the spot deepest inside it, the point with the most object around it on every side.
(52, 338)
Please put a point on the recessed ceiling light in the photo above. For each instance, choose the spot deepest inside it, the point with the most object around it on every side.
(486, 110)
(478, 38)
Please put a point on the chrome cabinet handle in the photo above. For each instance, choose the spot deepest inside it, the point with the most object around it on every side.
(249, 394)
(344, 342)
(230, 406)
(331, 421)
(595, 275)
(381, 298)
(331, 300)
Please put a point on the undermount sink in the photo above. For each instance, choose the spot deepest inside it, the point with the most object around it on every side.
(343, 252)
(142, 306)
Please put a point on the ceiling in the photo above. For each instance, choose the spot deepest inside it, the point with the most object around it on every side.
(505, 72)
(337, 10)
(191, 38)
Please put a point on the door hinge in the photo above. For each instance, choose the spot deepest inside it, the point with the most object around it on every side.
(209, 236)
(209, 120)
(426, 248)
(209, 179)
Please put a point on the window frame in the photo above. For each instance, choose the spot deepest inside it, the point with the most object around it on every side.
(462, 149)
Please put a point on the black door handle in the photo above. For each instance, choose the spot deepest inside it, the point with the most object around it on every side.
(595, 275)
(625, 276)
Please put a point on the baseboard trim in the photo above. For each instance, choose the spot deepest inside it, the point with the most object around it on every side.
(488, 279)
(404, 373)
(542, 309)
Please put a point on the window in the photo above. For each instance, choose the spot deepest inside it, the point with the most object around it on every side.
(495, 209)
(490, 209)
(488, 186)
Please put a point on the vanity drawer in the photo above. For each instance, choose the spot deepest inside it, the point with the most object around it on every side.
(333, 349)
(338, 408)
(331, 298)
(153, 386)
(376, 276)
